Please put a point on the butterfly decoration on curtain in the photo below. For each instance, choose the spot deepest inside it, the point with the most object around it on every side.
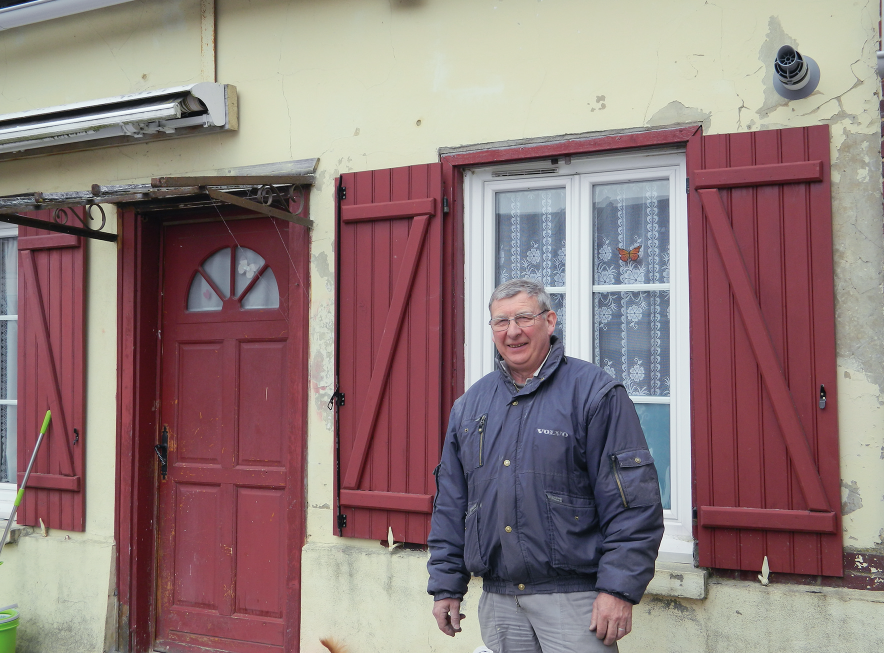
(627, 255)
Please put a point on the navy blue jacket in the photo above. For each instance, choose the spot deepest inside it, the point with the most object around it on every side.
(548, 488)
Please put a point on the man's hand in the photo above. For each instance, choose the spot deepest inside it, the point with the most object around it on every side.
(448, 616)
(611, 618)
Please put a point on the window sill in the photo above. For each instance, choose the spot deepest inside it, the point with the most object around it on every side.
(678, 579)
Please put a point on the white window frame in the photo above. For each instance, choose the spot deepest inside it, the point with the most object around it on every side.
(7, 490)
(38, 11)
(578, 175)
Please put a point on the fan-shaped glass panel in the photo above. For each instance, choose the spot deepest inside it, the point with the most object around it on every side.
(201, 296)
(248, 264)
(217, 268)
(264, 294)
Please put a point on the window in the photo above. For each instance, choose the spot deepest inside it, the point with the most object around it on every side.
(253, 281)
(607, 236)
(8, 366)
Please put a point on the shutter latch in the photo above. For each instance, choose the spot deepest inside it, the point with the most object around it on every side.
(336, 398)
(822, 396)
(162, 451)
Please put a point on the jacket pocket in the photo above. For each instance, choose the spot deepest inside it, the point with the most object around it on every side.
(636, 478)
(573, 532)
(472, 552)
(472, 442)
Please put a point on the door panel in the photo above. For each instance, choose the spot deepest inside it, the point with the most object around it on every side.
(224, 389)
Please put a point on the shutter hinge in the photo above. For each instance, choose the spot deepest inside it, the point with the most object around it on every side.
(336, 398)
(342, 193)
(694, 515)
(444, 205)
(76, 436)
(822, 396)
(687, 185)
(342, 521)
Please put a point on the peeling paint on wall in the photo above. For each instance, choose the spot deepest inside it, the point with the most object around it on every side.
(859, 255)
(775, 39)
(850, 498)
(676, 113)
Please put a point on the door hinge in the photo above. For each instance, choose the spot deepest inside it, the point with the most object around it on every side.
(336, 398)
(444, 205)
(342, 193)
(687, 184)
(342, 521)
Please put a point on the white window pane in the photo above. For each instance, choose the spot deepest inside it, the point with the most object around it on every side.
(557, 300)
(248, 264)
(8, 448)
(632, 339)
(8, 359)
(217, 268)
(654, 419)
(264, 294)
(531, 235)
(8, 276)
(201, 297)
(631, 232)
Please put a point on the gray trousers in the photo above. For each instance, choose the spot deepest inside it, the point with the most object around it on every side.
(539, 623)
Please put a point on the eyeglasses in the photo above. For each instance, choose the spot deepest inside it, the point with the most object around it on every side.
(522, 320)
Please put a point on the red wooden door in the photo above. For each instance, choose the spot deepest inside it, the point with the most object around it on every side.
(225, 402)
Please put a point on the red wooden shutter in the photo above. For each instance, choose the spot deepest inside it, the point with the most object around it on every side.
(389, 251)
(51, 376)
(762, 344)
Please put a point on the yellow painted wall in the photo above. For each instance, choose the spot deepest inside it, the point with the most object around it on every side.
(366, 84)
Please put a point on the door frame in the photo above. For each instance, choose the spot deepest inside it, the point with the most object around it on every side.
(139, 279)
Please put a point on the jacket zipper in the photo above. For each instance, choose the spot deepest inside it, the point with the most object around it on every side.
(481, 437)
(617, 478)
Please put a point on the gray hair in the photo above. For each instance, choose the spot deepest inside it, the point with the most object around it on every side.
(513, 287)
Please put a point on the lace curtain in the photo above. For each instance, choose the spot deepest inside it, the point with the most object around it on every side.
(531, 241)
(631, 327)
(8, 360)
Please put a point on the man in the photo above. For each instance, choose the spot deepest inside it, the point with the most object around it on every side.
(547, 491)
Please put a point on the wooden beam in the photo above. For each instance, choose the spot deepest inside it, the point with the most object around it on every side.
(767, 520)
(239, 180)
(387, 501)
(761, 175)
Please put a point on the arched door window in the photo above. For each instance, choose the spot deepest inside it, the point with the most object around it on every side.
(246, 271)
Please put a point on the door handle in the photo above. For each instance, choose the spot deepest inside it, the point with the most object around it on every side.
(162, 451)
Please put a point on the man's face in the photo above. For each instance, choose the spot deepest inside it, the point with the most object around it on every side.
(523, 348)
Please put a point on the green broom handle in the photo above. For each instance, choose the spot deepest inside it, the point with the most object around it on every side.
(24, 482)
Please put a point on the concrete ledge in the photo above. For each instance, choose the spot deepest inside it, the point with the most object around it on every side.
(679, 580)
(14, 531)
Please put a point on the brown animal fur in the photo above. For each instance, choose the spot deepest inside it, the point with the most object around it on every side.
(332, 645)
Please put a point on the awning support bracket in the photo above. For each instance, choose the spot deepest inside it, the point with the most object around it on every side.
(59, 223)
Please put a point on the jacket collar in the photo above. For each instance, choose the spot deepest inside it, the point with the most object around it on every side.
(555, 356)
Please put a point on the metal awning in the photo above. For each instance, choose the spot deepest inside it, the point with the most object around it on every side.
(277, 195)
